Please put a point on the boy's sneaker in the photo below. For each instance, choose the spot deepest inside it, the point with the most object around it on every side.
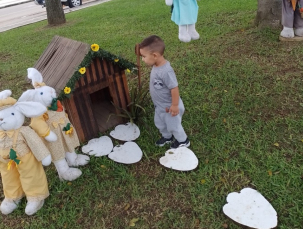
(162, 141)
(177, 144)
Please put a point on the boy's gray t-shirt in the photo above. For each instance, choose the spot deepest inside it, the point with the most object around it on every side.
(162, 80)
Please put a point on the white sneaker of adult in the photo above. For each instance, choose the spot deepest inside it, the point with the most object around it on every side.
(183, 34)
(193, 32)
(299, 32)
(287, 32)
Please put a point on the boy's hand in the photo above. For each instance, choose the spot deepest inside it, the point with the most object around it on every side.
(173, 110)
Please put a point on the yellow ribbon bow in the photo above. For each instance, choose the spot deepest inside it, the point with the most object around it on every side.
(45, 116)
(9, 133)
(37, 84)
(56, 124)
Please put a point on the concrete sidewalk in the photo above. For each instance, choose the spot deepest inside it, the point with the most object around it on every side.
(7, 3)
(10, 20)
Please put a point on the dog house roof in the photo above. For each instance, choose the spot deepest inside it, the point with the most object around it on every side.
(60, 60)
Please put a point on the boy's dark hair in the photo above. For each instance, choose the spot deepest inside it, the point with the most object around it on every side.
(153, 43)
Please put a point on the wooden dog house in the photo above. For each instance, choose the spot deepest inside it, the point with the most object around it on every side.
(90, 103)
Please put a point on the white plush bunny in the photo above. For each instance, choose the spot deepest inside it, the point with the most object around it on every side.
(21, 154)
(55, 120)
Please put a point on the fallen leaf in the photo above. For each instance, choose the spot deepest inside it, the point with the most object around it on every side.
(126, 207)
(225, 225)
(276, 144)
(103, 166)
(269, 173)
(100, 205)
(69, 183)
(197, 222)
(203, 181)
(132, 223)
(224, 120)
(225, 91)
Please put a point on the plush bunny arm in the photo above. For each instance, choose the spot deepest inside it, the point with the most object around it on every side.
(52, 137)
(39, 125)
(169, 2)
(5, 94)
(47, 161)
(35, 143)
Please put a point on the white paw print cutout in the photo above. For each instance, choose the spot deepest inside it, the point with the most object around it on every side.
(251, 209)
(126, 132)
(98, 146)
(182, 159)
(128, 153)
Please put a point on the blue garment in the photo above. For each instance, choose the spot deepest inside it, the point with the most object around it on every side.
(185, 12)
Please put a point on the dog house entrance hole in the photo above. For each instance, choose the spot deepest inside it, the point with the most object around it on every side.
(103, 108)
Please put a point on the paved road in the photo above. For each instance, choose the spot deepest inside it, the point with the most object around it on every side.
(27, 13)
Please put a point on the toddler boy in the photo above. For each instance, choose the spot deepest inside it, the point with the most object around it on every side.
(164, 91)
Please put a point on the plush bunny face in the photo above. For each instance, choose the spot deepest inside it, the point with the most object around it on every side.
(44, 95)
(11, 119)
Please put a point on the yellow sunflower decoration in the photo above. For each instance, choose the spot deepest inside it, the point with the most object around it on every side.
(82, 70)
(67, 90)
(95, 47)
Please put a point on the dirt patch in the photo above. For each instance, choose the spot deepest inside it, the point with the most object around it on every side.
(5, 57)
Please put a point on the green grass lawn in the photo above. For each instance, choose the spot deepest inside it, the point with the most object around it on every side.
(242, 90)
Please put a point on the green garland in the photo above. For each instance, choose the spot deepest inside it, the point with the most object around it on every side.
(102, 54)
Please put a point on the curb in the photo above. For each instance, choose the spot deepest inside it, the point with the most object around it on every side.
(14, 4)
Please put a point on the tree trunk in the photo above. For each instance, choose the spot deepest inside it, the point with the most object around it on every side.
(269, 13)
(55, 13)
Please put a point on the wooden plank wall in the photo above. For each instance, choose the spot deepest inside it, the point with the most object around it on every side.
(99, 75)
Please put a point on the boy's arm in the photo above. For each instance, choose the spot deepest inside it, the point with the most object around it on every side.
(174, 108)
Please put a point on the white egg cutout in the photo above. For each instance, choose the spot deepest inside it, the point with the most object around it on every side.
(128, 153)
(98, 146)
(182, 159)
(251, 209)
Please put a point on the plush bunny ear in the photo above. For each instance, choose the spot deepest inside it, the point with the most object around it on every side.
(5, 94)
(34, 75)
(27, 95)
(30, 109)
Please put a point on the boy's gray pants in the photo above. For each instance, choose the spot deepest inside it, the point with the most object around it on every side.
(171, 125)
(291, 18)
